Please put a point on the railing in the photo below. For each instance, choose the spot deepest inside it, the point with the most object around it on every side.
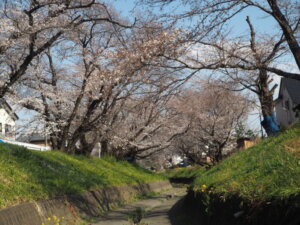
(29, 146)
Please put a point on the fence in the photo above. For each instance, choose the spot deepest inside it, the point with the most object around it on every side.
(27, 145)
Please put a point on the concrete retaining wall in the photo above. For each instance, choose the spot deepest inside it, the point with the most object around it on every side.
(74, 207)
(202, 208)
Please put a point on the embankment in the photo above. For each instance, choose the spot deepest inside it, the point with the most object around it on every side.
(74, 208)
(259, 185)
(72, 186)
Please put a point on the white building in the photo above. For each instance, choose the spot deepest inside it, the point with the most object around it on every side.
(7, 121)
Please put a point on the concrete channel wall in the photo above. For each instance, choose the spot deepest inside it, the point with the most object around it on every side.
(73, 208)
(202, 208)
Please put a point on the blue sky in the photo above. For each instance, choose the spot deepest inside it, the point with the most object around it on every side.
(262, 23)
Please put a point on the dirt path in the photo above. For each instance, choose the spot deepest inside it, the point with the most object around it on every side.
(155, 210)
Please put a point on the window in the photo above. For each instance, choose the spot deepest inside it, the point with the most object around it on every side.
(287, 105)
(8, 129)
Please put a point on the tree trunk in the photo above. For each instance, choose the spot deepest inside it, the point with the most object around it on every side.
(85, 147)
(218, 156)
(53, 140)
(267, 103)
(104, 147)
(287, 30)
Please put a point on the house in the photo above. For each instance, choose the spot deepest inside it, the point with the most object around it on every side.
(39, 139)
(7, 121)
(36, 139)
(288, 102)
(245, 142)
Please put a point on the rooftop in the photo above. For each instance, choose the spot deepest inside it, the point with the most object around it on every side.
(6, 106)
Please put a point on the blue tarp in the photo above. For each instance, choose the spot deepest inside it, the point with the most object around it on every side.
(270, 125)
(1, 141)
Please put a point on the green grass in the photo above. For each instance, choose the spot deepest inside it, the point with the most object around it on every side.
(268, 170)
(193, 171)
(30, 175)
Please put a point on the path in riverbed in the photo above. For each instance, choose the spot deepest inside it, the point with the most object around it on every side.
(155, 209)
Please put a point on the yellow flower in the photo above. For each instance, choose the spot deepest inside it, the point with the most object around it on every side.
(49, 218)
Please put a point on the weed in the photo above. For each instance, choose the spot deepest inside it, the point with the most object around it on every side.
(136, 216)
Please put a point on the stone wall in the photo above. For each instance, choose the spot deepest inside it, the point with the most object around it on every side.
(73, 208)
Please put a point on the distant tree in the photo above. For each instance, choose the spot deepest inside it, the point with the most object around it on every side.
(146, 125)
(214, 113)
(243, 132)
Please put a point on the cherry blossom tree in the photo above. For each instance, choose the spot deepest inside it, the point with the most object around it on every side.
(238, 54)
(248, 62)
(29, 27)
(209, 17)
(81, 85)
(214, 113)
(147, 125)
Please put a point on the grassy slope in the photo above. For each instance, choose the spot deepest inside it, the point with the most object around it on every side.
(269, 170)
(29, 175)
(185, 172)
